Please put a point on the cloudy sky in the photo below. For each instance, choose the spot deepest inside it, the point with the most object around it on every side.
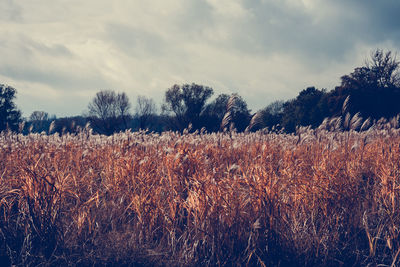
(59, 53)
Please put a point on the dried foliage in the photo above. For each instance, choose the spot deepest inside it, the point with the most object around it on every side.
(314, 198)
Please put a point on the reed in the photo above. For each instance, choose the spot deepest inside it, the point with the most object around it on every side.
(314, 198)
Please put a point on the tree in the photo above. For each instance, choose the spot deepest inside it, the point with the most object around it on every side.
(109, 111)
(304, 110)
(39, 121)
(145, 110)
(232, 106)
(384, 69)
(39, 116)
(240, 114)
(214, 113)
(10, 116)
(70, 124)
(374, 89)
(272, 114)
(187, 103)
(123, 106)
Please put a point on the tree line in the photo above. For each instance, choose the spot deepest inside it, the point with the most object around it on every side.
(371, 91)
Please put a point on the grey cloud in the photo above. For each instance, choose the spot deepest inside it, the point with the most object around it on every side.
(380, 19)
(278, 27)
(290, 30)
(56, 50)
(9, 11)
(28, 60)
(195, 17)
(25, 47)
(201, 41)
(57, 78)
(186, 25)
(134, 41)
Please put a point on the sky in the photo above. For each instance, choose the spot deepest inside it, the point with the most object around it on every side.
(59, 53)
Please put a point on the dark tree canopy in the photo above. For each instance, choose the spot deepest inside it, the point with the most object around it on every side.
(304, 110)
(70, 124)
(384, 69)
(214, 113)
(272, 114)
(10, 116)
(374, 89)
(186, 103)
(240, 114)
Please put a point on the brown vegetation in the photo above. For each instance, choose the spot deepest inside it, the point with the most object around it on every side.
(316, 198)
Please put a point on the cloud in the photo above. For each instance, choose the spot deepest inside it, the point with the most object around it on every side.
(135, 42)
(317, 30)
(9, 11)
(49, 64)
(59, 53)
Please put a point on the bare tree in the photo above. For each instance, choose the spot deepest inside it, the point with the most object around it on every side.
(39, 116)
(145, 110)
(123, 106)
(38, 120)
(109, 111)
(102, 106)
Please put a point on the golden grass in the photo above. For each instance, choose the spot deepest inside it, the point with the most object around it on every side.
(317, 198)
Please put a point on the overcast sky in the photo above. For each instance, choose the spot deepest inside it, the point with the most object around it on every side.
(59, 53)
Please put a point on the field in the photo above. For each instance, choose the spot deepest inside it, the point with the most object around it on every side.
(315, 198)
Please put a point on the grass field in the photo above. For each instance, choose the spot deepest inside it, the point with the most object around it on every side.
(316, 198)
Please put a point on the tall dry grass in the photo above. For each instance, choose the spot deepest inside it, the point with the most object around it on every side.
(315, 198)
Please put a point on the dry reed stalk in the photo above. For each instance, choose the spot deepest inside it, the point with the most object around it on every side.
(203, 199)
